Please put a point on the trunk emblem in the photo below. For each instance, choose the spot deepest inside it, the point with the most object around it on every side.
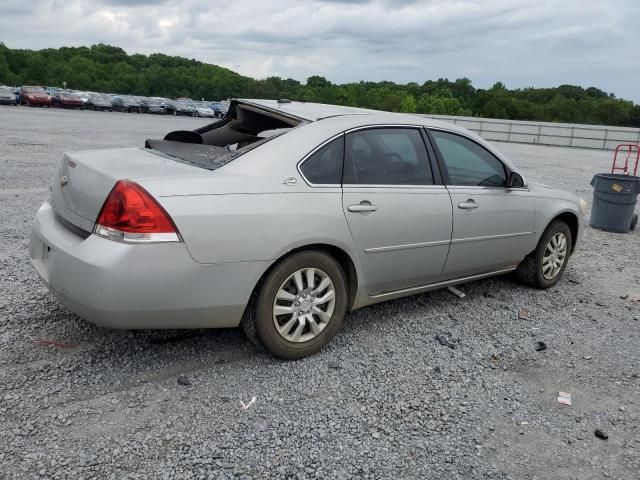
(63, 181)
(71, 163)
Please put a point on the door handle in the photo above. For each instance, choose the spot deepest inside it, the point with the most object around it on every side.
(470, 204)
(364, 206)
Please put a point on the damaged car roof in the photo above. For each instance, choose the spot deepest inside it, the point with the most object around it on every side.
(306, 111)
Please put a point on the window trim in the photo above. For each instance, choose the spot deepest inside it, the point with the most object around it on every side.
(445, 171)
(306, 157)
(437, 179)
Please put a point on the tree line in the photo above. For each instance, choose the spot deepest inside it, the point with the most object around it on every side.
(106, 68)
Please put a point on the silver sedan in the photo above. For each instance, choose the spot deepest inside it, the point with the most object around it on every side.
(283, 216)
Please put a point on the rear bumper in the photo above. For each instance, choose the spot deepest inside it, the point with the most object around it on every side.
(150, 286)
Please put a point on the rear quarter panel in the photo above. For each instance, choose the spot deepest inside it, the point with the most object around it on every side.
(257, 227)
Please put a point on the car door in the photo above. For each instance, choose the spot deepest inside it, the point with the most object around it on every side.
(492, 224)
(400, 219)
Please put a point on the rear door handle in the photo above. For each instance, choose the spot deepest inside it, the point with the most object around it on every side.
(470, 204)
(364, 206)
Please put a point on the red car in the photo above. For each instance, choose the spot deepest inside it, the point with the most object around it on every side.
(67, 100)
(32, 96)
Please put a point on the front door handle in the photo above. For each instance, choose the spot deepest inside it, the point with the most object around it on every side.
(470, 204)
(364, 206)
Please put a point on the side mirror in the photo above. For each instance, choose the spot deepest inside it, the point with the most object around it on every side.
(515, 181)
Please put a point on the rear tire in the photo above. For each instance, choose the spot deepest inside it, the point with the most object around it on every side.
(296, 335)
(544, 267)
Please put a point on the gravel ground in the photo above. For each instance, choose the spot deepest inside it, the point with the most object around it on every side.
(384, 400)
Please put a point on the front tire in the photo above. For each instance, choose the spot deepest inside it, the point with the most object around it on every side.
(299, 307)
(544, 267)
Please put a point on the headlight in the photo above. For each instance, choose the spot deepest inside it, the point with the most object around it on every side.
(583, 207)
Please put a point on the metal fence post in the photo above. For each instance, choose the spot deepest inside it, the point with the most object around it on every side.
(509, 132)
(539, 132)
(604, 142)
(573, 132)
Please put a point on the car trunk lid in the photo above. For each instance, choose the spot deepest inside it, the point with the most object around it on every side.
(83, 180)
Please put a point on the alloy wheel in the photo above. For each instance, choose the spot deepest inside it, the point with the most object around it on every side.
(304, 305)
(554, 256)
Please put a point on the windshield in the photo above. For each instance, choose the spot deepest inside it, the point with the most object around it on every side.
(5, 90)
(34, 90)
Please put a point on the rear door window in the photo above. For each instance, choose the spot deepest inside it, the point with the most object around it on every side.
(386, 156)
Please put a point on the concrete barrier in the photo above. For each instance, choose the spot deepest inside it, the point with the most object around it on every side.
(544, 133)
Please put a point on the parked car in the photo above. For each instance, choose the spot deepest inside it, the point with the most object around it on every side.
(203, 110)
(167, 104)
(280, 223)
(151, 105)
(218, 108)
(51, 91)
(7, 96)
(82, 95)
(184, 107)
(125, 103)
(65, 99)
(99, 101)
(34, 96)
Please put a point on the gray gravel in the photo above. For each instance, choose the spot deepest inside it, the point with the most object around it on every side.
(385, 400)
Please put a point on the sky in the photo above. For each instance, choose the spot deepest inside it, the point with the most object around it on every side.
(522, 43)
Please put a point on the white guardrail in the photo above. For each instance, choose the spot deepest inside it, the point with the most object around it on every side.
(545, 133)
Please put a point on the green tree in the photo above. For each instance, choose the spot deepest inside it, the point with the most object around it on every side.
(408, 104)
(110, 69)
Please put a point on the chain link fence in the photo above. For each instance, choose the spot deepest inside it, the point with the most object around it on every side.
(544, 133)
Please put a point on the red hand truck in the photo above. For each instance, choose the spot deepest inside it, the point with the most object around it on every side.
(629, 151)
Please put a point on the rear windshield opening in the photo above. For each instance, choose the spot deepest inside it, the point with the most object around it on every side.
(242, 129)
(244, 125)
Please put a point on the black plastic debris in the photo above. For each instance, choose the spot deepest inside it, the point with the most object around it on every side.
(540, 346)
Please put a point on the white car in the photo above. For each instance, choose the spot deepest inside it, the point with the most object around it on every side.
(203, 110)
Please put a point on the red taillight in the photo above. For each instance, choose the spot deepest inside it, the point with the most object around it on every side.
(131, 214)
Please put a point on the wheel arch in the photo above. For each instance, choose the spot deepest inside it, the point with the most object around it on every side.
(571, 219)
(340, 255)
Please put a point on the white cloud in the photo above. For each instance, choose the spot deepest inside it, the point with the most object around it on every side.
(521, 43)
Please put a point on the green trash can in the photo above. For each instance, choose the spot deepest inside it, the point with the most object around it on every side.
(614, 201)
